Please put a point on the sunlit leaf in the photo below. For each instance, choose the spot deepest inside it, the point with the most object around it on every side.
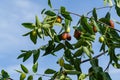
(4, 74)
(29, 25)
(117, 10)
(22, 76)
(72, 72)
(24, 69)
(59, 47)
(68, 67)
(30, 77)
(35, 67)
(49, 71)
(85, 49)
(94, 14)
(36, 54)
(78, 52)
(70, 46)
(49, 3)
(50, 13)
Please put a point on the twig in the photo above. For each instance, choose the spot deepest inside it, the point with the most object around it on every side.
(94, 57)
(90, 18)
(43, 75)
(107, 66)
(101, 8)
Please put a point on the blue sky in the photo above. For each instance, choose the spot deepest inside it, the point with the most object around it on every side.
(15, 12)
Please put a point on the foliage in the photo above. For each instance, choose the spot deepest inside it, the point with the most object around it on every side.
(74, 54)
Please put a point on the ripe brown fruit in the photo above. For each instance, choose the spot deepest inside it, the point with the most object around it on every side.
(111, 24)
(77, 34)
(68, 37)
(94, 29)
(64, 36)
(58, 19)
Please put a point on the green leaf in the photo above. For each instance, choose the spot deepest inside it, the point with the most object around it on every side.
(109, 2)
(29, 25)
(77, 64)
(30, 77)
(82, 76)
(33, 37)
(118, 56)
(79, 43)
(94, 62)
(22, 76)
(86, 25)
(86, 50)
(50, 13)
(117, 10)
(26, 34)
(113, 57)
(117, 2)
(50, 48)
(68, 56)
(4, 74)
(78, 52)
(62, 9)
(68, 67)
(36, 54)
(102, 47)
(72, 72)
(43, 11)
(49, 3)
(50, 71)
(18, 71)
(24, 69)
(35, 67)
(108, 15)
(70, 46)
(40, 78)
(94, 14)
(96, 25)
(59, 47)
(37, 21)
(116, 65)
(106, 76)
(66, 15)
(25, 55)
(57, 38)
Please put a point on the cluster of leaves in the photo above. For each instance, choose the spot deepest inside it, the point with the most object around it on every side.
(26, 74)
(4, 75)
(73, 53)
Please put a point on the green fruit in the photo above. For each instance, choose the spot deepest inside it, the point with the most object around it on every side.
(101, 39)
(61, 62)
(22, 76)
(34, 32)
